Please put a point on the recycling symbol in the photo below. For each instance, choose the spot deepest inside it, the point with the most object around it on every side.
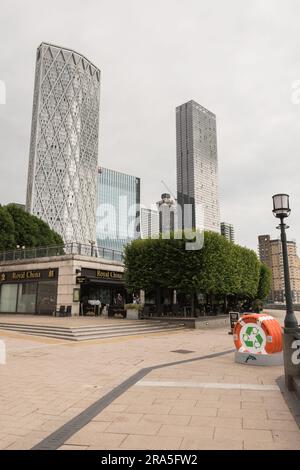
(252, 338)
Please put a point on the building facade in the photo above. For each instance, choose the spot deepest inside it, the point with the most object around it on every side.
(63, 160)
(118, 209)
(149, 223)
(227, 230)
(270, 253)
(197, 166)
(42, 286)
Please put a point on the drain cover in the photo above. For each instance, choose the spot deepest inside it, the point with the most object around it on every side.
(182, 351)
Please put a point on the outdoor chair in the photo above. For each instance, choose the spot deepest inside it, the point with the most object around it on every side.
(61, 311)
(69, 311)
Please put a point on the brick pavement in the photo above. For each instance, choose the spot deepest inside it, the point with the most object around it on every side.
(47, 382)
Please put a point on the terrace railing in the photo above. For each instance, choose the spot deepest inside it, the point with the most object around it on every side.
(60, 250)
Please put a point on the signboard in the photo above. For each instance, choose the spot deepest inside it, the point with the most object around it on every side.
(76, 295)
(81, 279)
(114, 275)
(93, 274)
(29, 275)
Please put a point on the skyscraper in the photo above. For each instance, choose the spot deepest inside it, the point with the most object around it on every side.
(149, 223)
(118, 209)
(167, 214)
(63, 160)
(227, 230)
(270, 253)
(197, 166)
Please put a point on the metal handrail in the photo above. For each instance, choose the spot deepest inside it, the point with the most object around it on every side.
(93, 251)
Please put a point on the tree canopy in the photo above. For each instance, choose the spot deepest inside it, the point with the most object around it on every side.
(18, 227)
(265, 282)
(219, 268)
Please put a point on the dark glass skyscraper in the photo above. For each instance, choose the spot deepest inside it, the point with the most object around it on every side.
(197, 166)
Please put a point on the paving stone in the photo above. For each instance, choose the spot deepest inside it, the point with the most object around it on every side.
(270, 424)
(193, 411)
(69, 447)
(185, 431)
(145, 428)
(151, 443)
(216, 422)
(287, 438)
(166, 419)
(211, 444)
(243, 434)
(97, 440)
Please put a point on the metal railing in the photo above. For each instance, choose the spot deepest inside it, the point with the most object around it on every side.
(93, 251)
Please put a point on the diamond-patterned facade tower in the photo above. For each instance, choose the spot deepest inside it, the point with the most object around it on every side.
(63, 160)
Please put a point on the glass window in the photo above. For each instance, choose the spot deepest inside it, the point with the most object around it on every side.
(8, 298)
(46, 298)
(27, 297)
(104, 294)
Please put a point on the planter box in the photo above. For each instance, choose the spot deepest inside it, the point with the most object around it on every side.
(132, 314)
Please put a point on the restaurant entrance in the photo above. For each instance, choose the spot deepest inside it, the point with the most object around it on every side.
(100, 289)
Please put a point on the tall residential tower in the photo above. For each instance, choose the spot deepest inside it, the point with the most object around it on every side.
(227, 230)
(270, 253)
(197, 166)
(63, 158)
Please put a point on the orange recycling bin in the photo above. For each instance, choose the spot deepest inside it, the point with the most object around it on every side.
(258, 334)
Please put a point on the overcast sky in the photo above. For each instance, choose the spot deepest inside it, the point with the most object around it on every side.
(238, 59)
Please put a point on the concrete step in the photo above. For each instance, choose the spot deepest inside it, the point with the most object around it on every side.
(79, 334)
(296, 383)
(105, 336)
(82, 330)
(87, 328)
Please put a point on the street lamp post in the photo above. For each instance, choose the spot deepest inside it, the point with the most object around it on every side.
(281, 210)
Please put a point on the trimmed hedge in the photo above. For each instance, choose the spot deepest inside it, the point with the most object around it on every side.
(219, 268)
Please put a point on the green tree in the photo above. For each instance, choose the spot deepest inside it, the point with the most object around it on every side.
(220, 268)
(7, 230)
(25, 229)
(265, 281)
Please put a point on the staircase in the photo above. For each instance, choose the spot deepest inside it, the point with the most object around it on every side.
(84, 333)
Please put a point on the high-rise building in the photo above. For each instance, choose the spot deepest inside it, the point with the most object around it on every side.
(227, 230)
(149, 223)
(118, 209)
(167, 209)
(197, 166)
(270, 253)
(63, 158)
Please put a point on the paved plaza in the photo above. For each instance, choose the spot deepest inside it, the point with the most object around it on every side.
(167, 390)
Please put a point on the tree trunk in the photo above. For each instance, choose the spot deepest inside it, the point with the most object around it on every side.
(158, 300)
(193, 304)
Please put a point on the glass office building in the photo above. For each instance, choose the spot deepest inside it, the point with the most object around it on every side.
(118, 209)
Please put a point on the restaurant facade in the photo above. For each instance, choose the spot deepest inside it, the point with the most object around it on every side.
(73, 283)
